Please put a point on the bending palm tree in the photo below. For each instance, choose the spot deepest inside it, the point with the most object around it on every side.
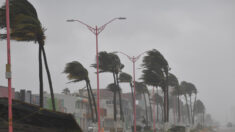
(25, 26)
(159, 101)
(173, 81)
(110, 62)
(188, 89)
(199, 108)
(76, 73)
(155, 73)
(126, 78)
(141, 88)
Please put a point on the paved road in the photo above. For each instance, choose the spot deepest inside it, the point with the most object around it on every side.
(226, 130)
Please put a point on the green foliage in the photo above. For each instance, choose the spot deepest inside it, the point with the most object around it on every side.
(124, 77)
(141, 87)
(76, 72)
(155, 69)
(109, 62)
(113, 87)
(24, 22)
(199, 107)
(188, 88)
(173, 81)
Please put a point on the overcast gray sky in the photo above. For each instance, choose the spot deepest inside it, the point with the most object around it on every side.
(195, 36)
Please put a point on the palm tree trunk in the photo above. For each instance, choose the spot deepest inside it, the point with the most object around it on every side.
(89, 100)
(157, 107)
(203, 119)
(93, 98)
(187, 108)
(146, 109)
(120, 99)
(114, 101)
(151, 112)
(178, 98)
(191, 108)
(195, 99)
(165, 104)
(167, 98)
(40, 75)
(49, 79)
(162, 109)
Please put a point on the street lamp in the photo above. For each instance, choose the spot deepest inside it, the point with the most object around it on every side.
(133, 60)
(8, 68)
(97, 30)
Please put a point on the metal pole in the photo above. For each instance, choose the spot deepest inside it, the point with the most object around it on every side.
(8, 68)
(98, 81)
(133, 60)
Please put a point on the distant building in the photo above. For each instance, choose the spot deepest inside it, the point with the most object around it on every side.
(106, 108)
(4, 92)
(78, 106)
(23, 95)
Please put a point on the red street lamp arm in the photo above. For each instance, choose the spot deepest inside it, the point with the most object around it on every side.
(140, 55)
(101, 28)
(88, 26)
(133, 59)
(130, 58)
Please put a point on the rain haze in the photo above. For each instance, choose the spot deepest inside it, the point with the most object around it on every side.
(195, 36)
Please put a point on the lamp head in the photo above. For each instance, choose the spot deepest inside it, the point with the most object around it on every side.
(122, 18)
(70, 20)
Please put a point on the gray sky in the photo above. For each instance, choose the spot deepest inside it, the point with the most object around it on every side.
(195, 36)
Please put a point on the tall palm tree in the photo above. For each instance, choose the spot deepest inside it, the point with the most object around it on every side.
(76, 73)
(126, 78)
(199, 108)
(185, 90)
(155, 73)
(115, 89)
(26, 26)
(189, 89)
(141, 88)
(110, 62)
(159, 101)
(173, 81)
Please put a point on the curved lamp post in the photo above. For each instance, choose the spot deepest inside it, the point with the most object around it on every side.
(133, 60)
(96, 31)
(8, 68)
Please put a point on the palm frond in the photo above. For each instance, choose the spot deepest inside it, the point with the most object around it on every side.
(124, 77)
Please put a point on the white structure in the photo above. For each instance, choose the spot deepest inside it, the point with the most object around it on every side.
(76, 106)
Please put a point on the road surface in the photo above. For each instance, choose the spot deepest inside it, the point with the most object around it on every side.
(225, 129)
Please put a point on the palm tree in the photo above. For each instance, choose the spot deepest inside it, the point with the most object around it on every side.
(126, 78)
(184, 89)
(189, 89)
(76, 73)
(141, 88)
(155, 73)
(173, 81)
(110, 62)
(25, 26)
(66, 91)
(199, 108)
(159, 101)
